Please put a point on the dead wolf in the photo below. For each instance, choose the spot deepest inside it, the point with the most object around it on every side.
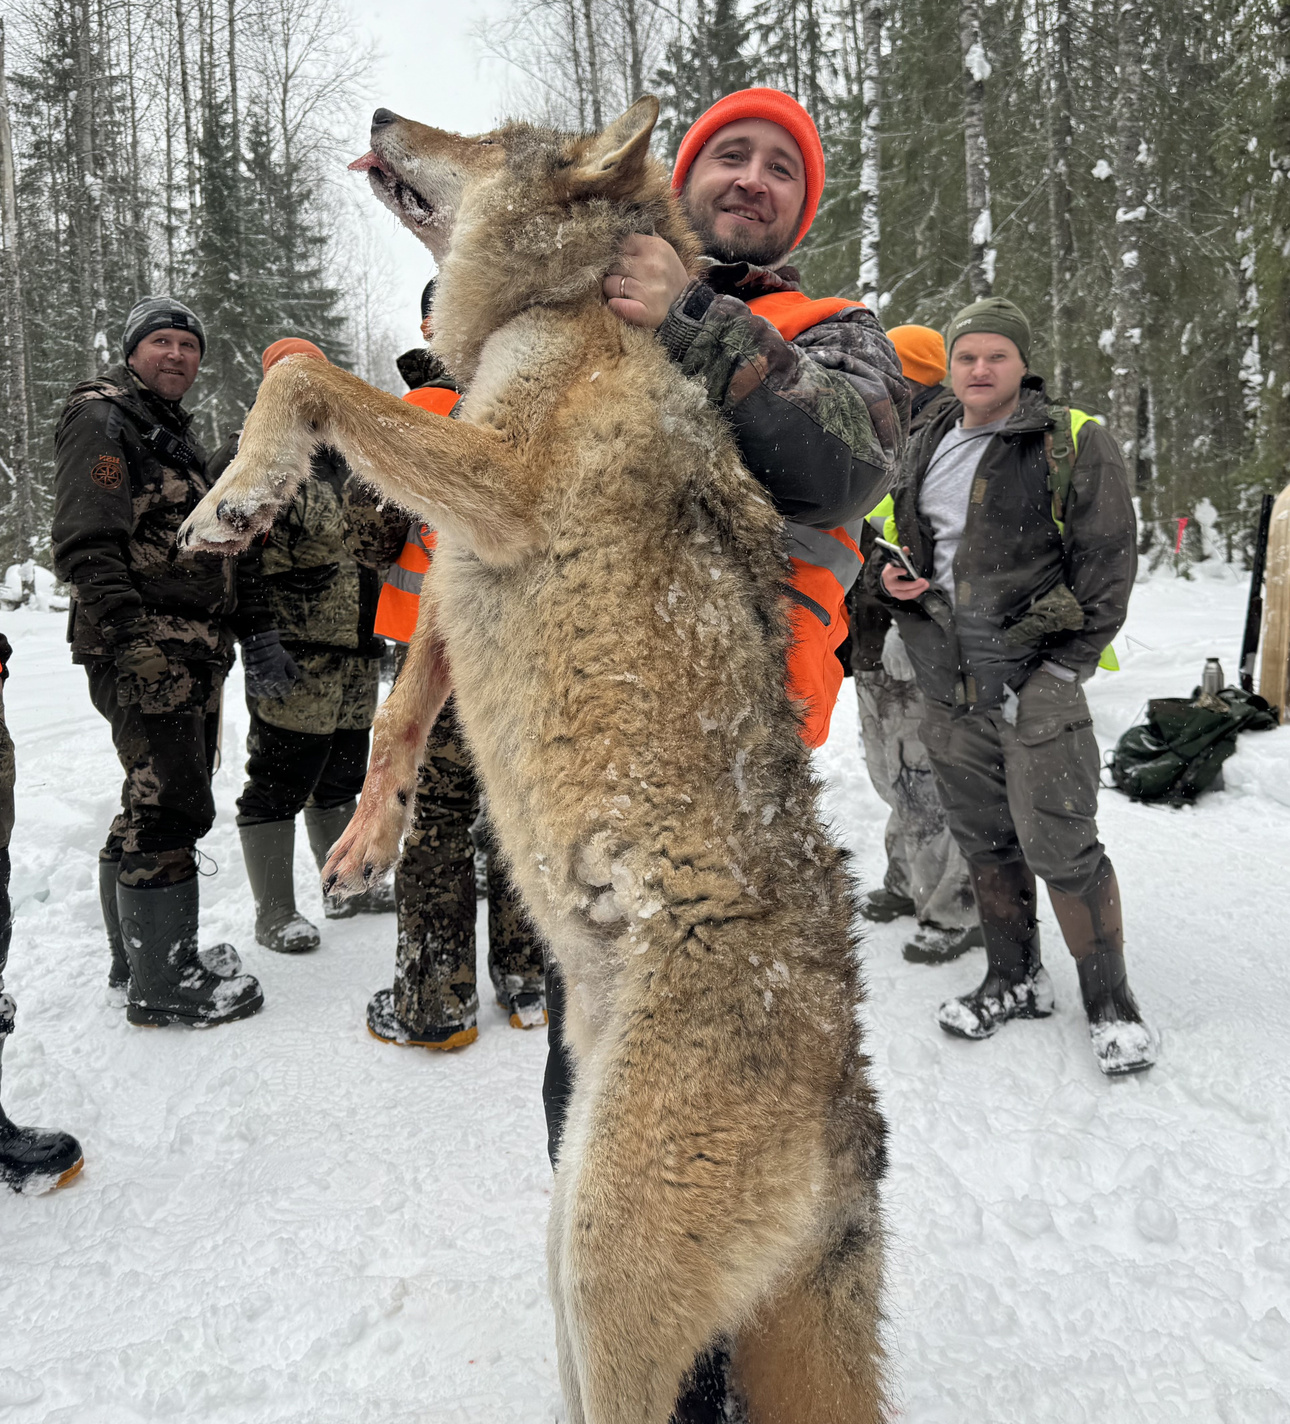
(608, 595)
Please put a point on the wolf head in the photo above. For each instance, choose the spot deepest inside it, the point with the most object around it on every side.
(521, 217)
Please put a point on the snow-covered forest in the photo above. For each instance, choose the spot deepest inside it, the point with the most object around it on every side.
(1121, 168)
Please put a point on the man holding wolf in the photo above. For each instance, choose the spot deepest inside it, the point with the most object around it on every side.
(812, 391)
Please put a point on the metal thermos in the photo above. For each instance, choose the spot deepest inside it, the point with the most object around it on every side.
(1211, 680)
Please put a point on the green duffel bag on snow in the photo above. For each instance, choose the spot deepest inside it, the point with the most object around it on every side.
(1180, 749)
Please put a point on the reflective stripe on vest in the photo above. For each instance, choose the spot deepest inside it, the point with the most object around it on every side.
(396, 609)
(825, 562)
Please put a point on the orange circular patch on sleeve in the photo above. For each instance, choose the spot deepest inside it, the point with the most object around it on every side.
(106, 471)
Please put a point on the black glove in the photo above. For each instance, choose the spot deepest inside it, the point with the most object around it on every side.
(269, 669)
(6, 652)
(141, 668)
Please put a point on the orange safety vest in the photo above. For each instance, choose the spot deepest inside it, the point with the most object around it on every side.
(826, 562)
(396, 609)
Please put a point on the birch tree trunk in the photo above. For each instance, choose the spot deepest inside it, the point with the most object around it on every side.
(186, 99)
(1128, 397)
(976, 70)
(593, 64)
(15, 416)
(1061, 232)
(89, 198)
(870, 149)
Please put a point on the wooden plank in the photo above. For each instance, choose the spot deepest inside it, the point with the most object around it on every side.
(1274, 670)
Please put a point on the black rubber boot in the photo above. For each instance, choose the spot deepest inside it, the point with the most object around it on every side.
(325, 825)
(1016, 984)
(881, 906)
(1122, 1043)
(34, 1159)
(119, 967)
(933, 944)
(268, 851)
(171, 980)
(1093, 927)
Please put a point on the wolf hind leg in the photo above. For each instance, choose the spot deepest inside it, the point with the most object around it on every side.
(812, 1354)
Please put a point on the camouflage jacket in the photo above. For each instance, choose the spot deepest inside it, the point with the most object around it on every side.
(300, 577)
(128, 473)
(1013, 554)
(820, 421)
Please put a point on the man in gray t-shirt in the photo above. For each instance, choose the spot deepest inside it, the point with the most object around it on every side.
(943, 499)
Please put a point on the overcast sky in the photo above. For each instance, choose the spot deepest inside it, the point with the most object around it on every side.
(428, 67)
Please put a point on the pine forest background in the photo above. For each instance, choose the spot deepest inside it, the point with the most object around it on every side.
(1120, 168)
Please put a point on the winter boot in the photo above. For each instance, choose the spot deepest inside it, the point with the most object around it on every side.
(268, 850)
(119, 969)
(1093, 928)
(384, 1023)
(32, 1159)
(881, 906)
(171, 980)
(1016, 984)
(526, 1008)
(325, 826)
(934, 944)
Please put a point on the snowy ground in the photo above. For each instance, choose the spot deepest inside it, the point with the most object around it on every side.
(286, 1220)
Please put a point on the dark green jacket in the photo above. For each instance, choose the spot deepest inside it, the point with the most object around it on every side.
(118, 502)
(1013, 553)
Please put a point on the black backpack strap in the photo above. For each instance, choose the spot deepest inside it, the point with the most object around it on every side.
(1059, 450)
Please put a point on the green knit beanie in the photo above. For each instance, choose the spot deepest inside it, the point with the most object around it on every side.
(995, 315)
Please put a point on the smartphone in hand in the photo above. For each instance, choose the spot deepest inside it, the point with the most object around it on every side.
(899, 556)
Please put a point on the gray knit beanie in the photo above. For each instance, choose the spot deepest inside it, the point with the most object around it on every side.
(160, 314)
(995, 315)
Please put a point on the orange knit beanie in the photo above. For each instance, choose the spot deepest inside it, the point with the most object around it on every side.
(289, 346)
(777, 107)
(922, 353)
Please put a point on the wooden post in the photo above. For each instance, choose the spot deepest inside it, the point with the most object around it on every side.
(1274, 670)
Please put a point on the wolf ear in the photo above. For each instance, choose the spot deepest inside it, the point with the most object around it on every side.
(618, 152)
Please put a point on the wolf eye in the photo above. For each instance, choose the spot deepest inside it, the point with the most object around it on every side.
(487, 142)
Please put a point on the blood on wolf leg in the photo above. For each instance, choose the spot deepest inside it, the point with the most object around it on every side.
(370, 843)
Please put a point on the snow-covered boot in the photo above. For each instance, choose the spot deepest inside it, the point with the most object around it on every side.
(33, 1159)
(384, 1023)
(881, 906)
(268, 850)
(1016, 984)
(325, 825)
(1093, 927)
(525, 1007)
(171, 980)
(934, 944)
(119, 968)
(1122, 1043)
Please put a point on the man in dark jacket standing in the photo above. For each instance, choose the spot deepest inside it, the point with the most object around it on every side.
(1018, 518)
(305, 613)
(150, 625)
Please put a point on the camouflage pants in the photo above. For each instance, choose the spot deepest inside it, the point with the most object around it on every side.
(434, 886)
(923, 861)
(336, 691)
(167, 749)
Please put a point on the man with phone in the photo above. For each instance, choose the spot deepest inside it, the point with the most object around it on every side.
(1018, 523)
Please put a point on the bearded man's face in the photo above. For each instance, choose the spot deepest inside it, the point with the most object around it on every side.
(745, 192)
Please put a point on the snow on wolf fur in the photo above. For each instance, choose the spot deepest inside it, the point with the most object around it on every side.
(607, 596)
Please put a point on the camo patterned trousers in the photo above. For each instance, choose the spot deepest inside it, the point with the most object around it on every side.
(434, 886)
(168, 756)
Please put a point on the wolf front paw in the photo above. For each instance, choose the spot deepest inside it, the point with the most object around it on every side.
(366, 850)
(224, 523)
